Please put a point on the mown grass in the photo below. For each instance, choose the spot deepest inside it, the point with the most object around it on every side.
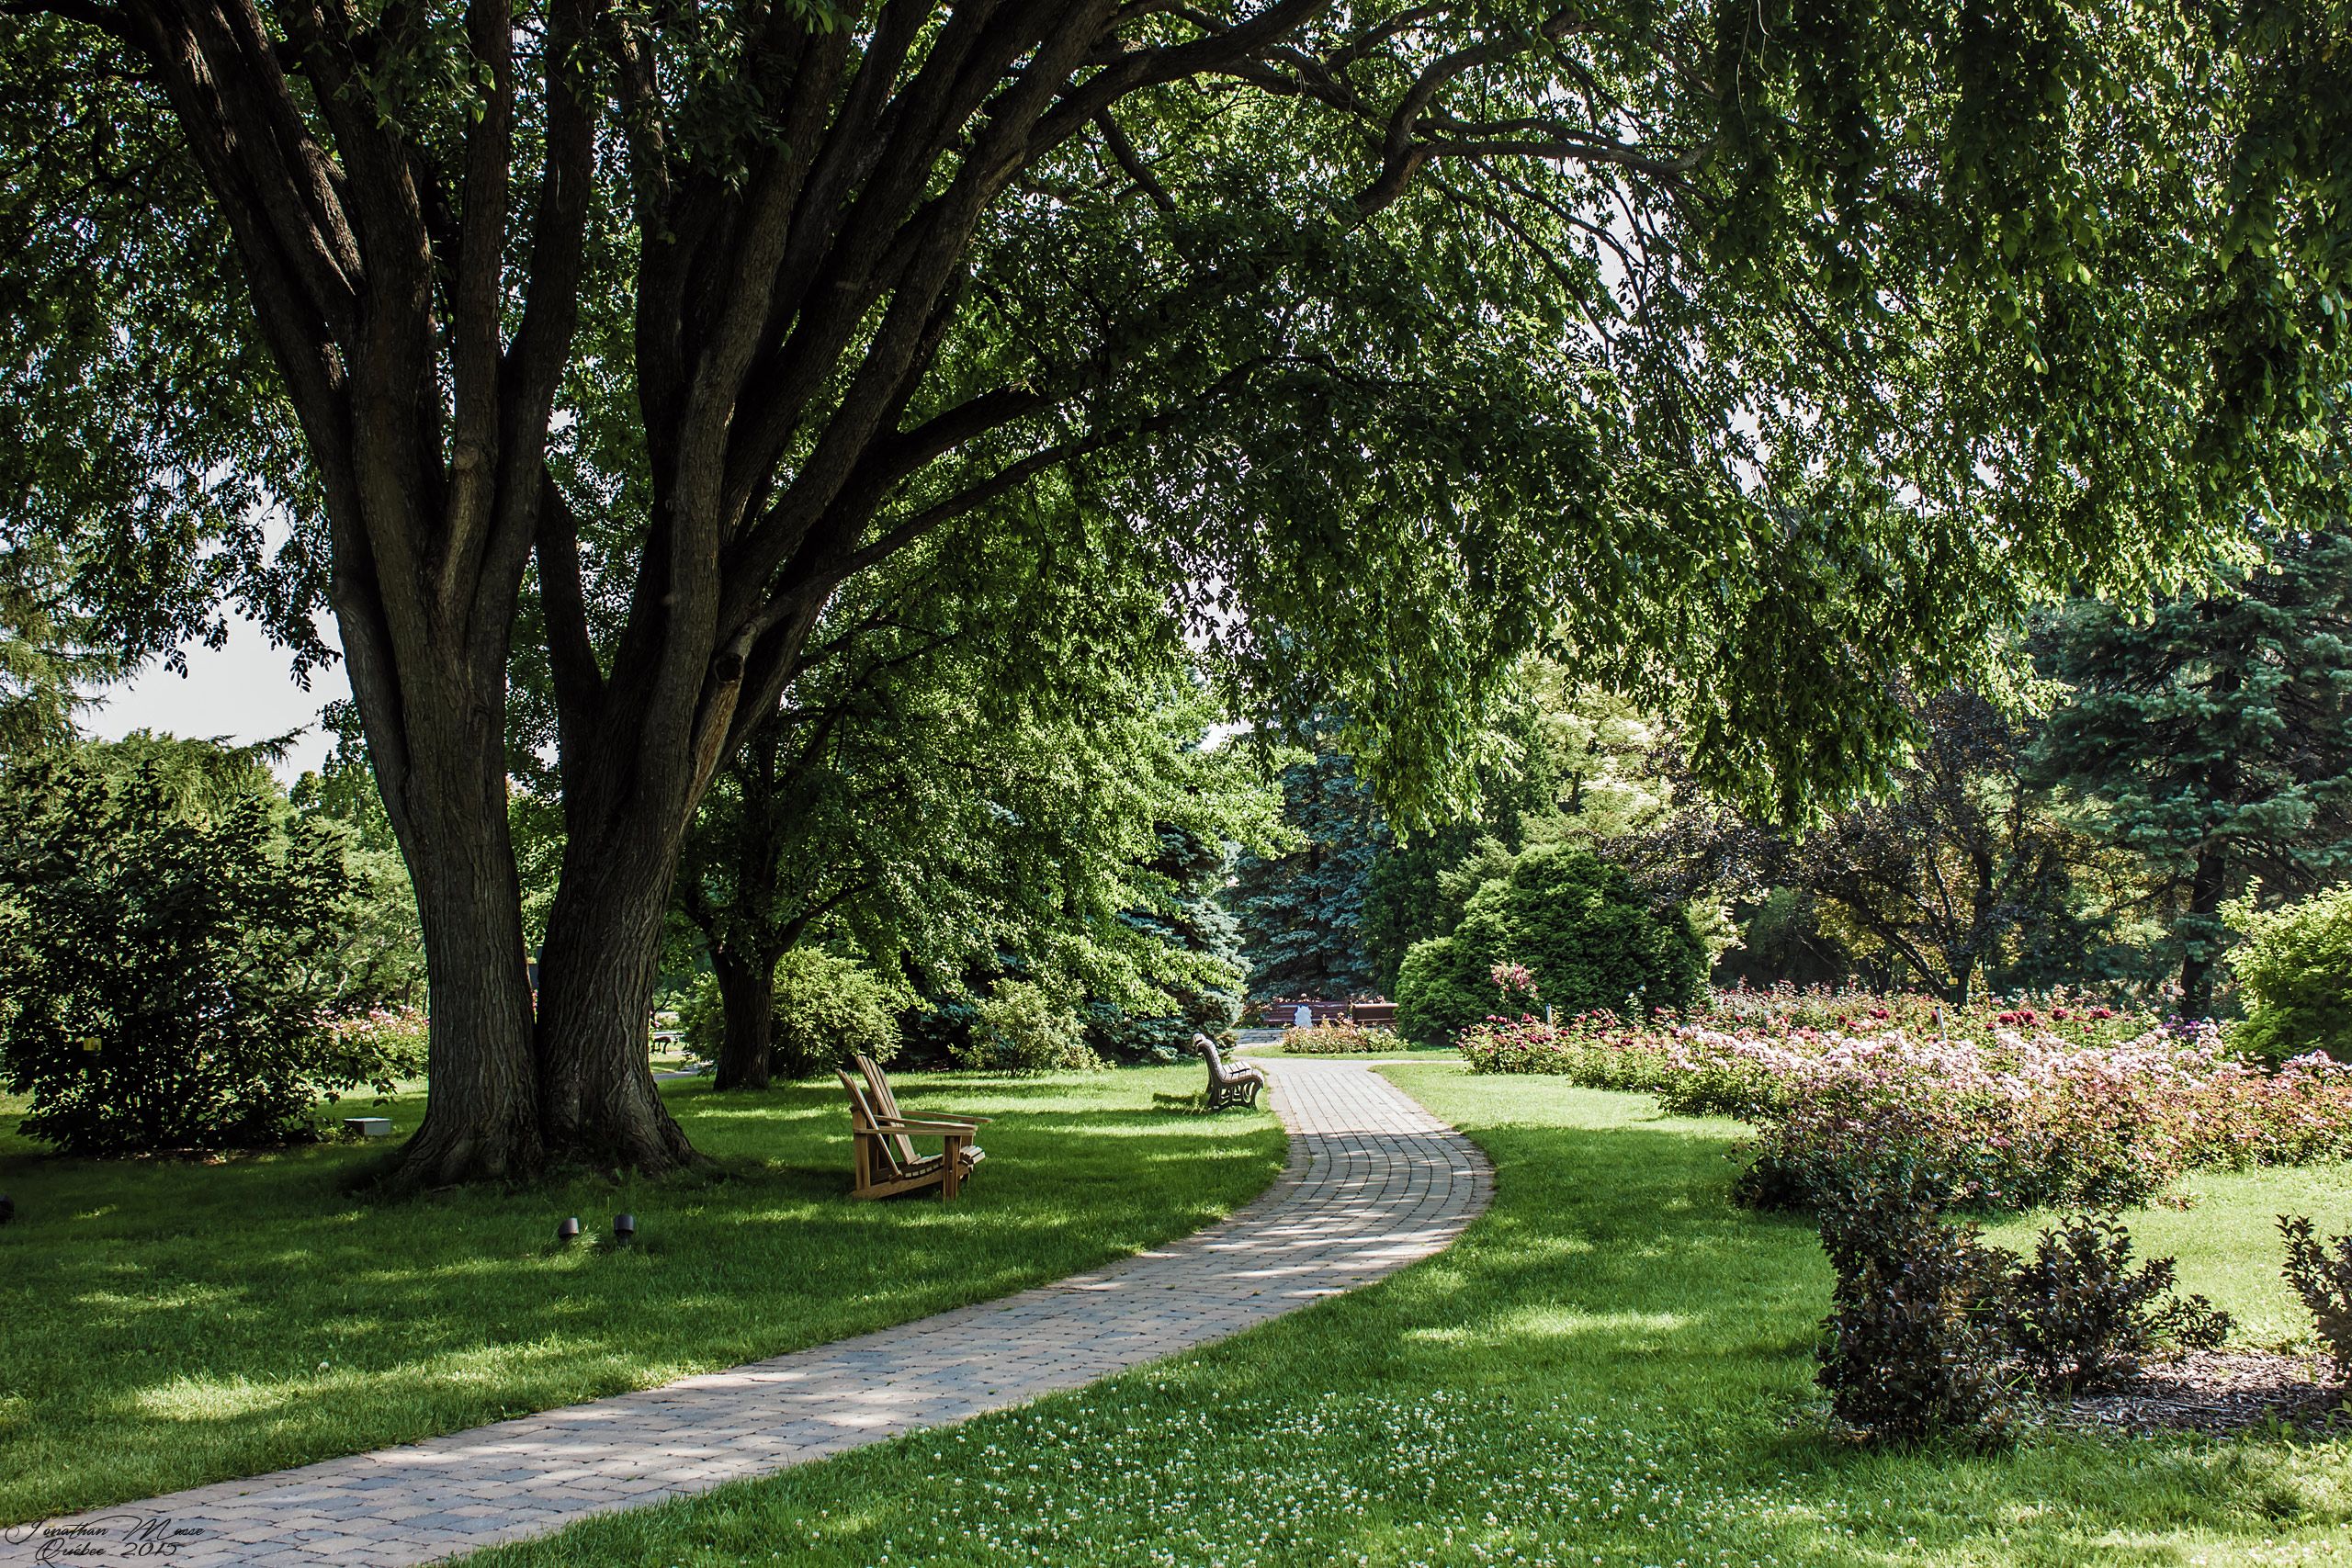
(166, 1323)
(1614, 1366)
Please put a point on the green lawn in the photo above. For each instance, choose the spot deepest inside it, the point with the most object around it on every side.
(1614, 1366)
(166, 1323)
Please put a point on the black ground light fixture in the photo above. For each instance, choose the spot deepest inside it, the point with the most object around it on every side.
(7, 1207)
(569, 1230)
(624, 1228)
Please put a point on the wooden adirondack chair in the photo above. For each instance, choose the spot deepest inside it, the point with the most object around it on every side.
(1229, 1086)
(882, 1148)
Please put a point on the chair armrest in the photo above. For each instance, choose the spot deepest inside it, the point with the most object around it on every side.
(936, 1129)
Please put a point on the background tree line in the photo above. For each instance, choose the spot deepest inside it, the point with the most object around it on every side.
(2193, 758)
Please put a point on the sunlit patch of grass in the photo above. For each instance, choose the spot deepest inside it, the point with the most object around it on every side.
(1614, 1366)
(166, 1323)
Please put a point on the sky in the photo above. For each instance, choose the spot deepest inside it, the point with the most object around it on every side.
(242, 692)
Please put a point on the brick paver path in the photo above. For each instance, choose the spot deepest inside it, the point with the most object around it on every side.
(1375, 1182)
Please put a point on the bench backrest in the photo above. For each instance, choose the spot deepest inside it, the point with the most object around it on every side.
(1207, 1048)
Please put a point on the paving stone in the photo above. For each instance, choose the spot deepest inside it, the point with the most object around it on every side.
(1373, 1183)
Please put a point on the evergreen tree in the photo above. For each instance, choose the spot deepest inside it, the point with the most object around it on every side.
(2217, 737)
(1302, 915)
(1192, 927)
(49, 656)
(1403, 901)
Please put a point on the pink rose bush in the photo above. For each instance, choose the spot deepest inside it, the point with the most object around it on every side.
(2001, 1107)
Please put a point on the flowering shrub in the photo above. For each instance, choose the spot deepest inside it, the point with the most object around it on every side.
(1513, 979)
(379, 1047)
(1341, 1037)
(1786, 1011)
(2008, 1106)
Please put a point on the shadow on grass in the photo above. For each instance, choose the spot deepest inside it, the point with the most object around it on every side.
(168, 1323)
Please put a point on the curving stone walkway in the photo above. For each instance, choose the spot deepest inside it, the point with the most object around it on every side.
(1375, 1182)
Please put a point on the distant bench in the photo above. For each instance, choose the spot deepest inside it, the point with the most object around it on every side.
(1281, 1015)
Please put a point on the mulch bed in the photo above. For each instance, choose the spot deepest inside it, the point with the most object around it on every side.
(2221, 1392)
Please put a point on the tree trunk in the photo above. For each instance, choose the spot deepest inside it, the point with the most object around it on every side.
(447, 799)
(2206, 885)
(747, 1000)
(598, 1103)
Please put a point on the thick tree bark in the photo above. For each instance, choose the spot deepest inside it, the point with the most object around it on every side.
(448, 804)
(598, 1103)
(747, 996)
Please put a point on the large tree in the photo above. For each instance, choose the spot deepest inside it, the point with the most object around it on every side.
(1961, 872)
(1749, 356)
(932, 793)
(2214, 730)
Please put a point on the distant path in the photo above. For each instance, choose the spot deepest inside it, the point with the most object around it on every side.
(1375, 1182)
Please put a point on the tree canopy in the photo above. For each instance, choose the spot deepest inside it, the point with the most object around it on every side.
(934, 794)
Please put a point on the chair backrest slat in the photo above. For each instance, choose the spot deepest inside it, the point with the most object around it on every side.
(863, 1122)
(886, 1102)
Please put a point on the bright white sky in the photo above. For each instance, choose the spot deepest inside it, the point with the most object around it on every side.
(242, 692)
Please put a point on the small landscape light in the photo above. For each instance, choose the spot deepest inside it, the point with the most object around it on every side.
(569, 1230)
(624, 1228)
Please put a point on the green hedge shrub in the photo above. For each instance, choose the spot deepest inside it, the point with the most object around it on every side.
(2296, 967)
(1021, 1027)
(1577, 923)
(826, 1008)
(1441, 992)
(167, 956)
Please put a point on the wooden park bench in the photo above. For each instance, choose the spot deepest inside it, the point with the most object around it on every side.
(882, 1149)
(1229, 1086)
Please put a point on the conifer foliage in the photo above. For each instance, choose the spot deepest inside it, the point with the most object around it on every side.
(2217, 735)
(1302, 914)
